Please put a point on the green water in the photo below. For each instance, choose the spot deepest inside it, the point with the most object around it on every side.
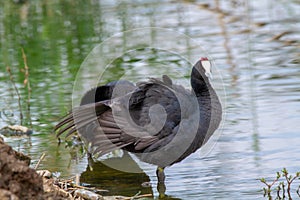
(256, 75)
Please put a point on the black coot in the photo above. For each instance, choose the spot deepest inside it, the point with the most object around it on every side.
(162, 123)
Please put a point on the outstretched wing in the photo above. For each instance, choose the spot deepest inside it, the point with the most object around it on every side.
(133, 122)
(101, 131)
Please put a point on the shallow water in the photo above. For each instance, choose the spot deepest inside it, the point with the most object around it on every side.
(256, 75)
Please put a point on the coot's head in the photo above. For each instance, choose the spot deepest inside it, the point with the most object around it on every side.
(203, 68)
(201, 73)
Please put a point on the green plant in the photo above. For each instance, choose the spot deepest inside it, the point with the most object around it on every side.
(283, 187)
(26, 83)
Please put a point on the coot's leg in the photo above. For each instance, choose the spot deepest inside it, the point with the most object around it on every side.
(160, 174)
(161, 187)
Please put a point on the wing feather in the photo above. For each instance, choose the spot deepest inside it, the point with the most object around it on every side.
(103, 132)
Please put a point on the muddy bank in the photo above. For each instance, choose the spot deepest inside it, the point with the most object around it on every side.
(19, 181)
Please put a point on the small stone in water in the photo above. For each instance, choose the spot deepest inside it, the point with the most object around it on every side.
(146, 184)
(44, 173)
(15, 130)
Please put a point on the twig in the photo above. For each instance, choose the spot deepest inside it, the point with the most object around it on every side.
(267, 191)
(40, 160)
(77, 179)
(137, 196)
(278, 192)
(289, 180)
(27, 83)
(17, 92)
(283, 190)
(278, 36)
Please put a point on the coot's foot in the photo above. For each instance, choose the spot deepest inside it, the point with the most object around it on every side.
(161, 187)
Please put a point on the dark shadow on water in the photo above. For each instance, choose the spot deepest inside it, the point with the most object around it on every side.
(101, 176)
(115, 181)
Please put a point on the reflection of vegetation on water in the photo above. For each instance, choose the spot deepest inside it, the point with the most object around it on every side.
(136, 65)
(259, 45)
(48, 31)
(56, 37)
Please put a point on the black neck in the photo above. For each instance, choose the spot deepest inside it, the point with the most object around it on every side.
(200, 84)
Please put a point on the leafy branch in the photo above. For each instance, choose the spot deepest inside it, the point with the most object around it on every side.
(283, 186)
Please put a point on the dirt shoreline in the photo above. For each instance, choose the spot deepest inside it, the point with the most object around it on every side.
(19, 181)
